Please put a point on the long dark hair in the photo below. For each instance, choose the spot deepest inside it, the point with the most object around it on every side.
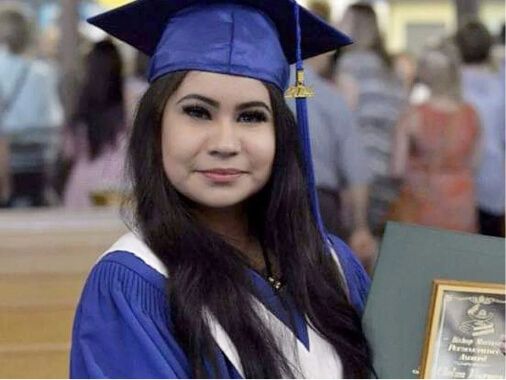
(365, 28)
(206, 273)
(100, 107)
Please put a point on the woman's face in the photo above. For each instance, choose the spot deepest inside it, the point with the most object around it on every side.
(218, 140)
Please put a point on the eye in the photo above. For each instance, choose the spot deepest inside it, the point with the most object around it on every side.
(197, 112)
(252, 117)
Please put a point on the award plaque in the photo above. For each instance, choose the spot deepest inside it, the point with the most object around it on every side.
(465, 331)
(397, 313)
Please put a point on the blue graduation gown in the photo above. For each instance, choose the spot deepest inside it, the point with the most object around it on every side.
(122, 329)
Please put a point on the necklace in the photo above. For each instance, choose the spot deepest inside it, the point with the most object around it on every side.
(275, 282)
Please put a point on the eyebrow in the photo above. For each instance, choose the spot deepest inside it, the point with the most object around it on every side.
(204, 99)
(246, 105)
(216, 104)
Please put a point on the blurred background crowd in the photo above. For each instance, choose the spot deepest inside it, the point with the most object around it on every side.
(407, 123)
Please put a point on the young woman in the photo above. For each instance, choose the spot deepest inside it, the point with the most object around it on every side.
(366, 77)
(226, 273)
(95, 141)
(435, 150)
(30, 113)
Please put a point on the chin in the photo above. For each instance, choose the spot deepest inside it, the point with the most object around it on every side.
(220, 199)
(220, 202)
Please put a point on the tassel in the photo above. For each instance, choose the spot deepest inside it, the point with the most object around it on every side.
(300, 92)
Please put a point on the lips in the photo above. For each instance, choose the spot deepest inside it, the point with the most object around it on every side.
(223, 171)
(222, 175)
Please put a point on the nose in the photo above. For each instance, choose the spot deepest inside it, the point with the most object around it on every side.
(224, 141)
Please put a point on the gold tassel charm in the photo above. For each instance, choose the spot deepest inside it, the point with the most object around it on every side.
(299, 90)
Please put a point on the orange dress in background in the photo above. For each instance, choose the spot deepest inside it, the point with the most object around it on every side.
(439, 183)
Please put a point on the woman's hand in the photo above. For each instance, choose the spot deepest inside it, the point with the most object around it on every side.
(365, 247)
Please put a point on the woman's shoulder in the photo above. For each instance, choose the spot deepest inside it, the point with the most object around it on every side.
(131, 252)
(361, 62)
(122, 327)
(467, 108)
(128, 268)
(470, 117)
(356, 279)
(344, 256)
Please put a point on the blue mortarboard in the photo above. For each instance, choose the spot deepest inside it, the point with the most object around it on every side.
(254, 38)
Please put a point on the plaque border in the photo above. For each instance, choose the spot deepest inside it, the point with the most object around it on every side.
(439, 287)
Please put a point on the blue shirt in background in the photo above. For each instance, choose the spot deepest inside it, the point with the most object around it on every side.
(338, 155)
(484, 90)
(36, 104)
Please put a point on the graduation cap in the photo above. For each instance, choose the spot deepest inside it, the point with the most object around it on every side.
(253, 38)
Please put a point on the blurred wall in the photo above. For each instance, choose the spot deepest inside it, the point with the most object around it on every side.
(112, 3)
(408, 24)
(492, 13)
(411, 23)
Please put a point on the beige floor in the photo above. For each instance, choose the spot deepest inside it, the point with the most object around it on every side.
(45, 256)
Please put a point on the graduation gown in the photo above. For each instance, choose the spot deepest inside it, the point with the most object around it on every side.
(122, 329)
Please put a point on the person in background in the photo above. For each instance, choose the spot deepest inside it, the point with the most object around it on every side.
(366, 78)
(435, 150)
(340, 165)
(30, 109)
(484, 89)
(338, 156)
(95, 139)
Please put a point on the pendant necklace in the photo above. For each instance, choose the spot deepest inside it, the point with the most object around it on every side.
(274, 281)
